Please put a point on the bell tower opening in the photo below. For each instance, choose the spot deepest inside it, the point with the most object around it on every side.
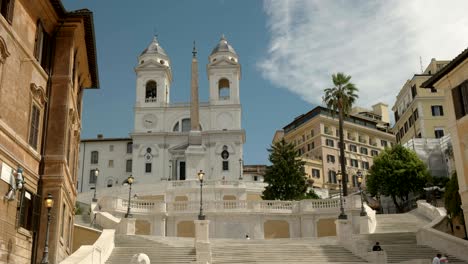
(224, 91)
(151, 91)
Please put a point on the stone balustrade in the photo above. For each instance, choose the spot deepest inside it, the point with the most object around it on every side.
(151, 207)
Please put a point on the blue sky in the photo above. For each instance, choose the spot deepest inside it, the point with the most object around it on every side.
(288, 50)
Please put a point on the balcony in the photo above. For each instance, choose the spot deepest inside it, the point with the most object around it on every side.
(151, 100)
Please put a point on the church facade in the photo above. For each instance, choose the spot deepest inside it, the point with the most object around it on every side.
(174, 141)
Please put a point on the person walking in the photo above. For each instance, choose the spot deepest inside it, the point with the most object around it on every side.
(444, 259)
(436, 259)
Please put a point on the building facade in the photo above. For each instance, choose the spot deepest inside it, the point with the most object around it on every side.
(453, 80)
(419, 112)
(47, 59)
(315, 135)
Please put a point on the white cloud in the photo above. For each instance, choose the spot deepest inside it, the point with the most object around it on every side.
(379, 43)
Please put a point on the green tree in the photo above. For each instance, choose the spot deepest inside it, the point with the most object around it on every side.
(397, 172)
(340, 98)
(452, 202)
(285, 177)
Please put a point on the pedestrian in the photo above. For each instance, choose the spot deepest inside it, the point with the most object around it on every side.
(436, 259)
(444, 259)
(376, 247)
(247, 237)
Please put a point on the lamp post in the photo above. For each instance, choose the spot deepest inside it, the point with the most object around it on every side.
(359, 179)
(240, 169)
(201, 174)
(96, 174)
(129, 181)
(342, 213)
(48, 202)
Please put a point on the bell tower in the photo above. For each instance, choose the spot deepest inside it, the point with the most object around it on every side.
(224, 73)
(154, 76)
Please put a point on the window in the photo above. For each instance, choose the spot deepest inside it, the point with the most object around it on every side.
(406, 126)
(414, 91)
(397, 117)
(410, 121)
(331, 176)
(383, 143)
(129, 147)
(415, 115)
(176, 127)
(316, 173)
(128, 166)
(151, 91)
(310, 146)
(437, 110)
(42, 47)
(354, 163)
(34, 126)
(148, 167)
(329, 142)
(364, 151)
(110, 164)
(255, 178)
(312, 133)
(402, 133)
(224, 89)
(6, 9)
(94, 157)
(353, 148)
(365, 165)
(374, 153)
(355, 180)
(225, 165)
(70, 231)
(303, 138)
(92, 177)
(29, 207)
(109, 183)
(398, 136)
(339, 145)
(111, 148)
(438, 132)
(460, 100)
(327, 130)
(330, 159)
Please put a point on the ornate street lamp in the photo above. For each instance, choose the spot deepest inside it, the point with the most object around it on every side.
(96, 174)
(359, 179)
(129, 181)
(240, 169)
(342, 213)
(201, 174)
(48, 202)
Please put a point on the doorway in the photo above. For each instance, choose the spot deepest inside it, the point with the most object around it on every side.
(181, 170)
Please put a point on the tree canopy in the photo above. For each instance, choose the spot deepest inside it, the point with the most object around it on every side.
(340, 98)
(397, 172)
(286, 177)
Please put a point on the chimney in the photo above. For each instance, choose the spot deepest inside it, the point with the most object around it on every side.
(381, 109)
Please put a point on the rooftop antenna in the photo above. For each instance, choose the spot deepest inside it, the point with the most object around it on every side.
(420, 64)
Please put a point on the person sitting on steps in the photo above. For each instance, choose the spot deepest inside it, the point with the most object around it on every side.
(376, 247)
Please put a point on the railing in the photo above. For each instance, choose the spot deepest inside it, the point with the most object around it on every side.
(144, 207)
(151, 100)
(196, 183)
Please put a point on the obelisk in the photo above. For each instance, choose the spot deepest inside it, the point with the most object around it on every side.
(195, 152)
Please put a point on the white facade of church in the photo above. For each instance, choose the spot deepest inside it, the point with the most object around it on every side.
(161, 149)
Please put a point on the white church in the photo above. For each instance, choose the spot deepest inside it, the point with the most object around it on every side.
(173, 141)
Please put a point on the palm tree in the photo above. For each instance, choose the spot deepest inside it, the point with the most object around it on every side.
(341, 98)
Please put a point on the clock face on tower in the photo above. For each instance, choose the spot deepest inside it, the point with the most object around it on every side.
(149, 121)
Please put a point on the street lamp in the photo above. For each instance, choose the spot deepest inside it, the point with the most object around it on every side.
(48, 202)
(96, 174)
(359, 179)
(342, 213)
(240, 169)
(129, 181)
(201, 174)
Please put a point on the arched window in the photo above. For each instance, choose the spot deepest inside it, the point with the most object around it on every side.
(224, 89)
(109, 183)
(183, 125)
(151, 91)
(94, 157)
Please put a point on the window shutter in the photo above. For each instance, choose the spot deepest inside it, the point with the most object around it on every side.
(38, 41)
(11, 9)
(441, 110)
(464, 97)
(456, 96)
(20, 210)
(46, 52)
(36, 212)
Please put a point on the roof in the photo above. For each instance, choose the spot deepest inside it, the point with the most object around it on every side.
(105, 139)
(445, 70)
(154, 48)
(223, 46)
(320, 110)
(90, 38)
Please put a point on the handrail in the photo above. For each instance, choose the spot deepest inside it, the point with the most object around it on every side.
(98, 253)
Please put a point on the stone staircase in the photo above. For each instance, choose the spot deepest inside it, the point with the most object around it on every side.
(159, 252)
(407, 222)
(284, 251)
(402, 246)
